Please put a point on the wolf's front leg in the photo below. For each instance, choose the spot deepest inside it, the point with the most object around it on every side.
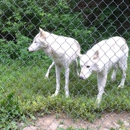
(57, 69)
(102, 78)
(67, 71)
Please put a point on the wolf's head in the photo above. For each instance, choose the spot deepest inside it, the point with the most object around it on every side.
(87, 64)
(38, 42)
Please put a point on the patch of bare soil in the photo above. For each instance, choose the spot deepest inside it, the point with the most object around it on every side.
(120, 121)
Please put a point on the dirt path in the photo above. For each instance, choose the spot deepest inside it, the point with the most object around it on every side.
(106, 122)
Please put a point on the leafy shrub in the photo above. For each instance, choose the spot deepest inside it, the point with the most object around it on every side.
(11, 51)
(21, 20)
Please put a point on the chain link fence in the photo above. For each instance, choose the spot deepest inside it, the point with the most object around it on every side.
(26, 101)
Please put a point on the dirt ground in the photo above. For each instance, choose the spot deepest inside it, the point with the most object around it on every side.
(108, 121)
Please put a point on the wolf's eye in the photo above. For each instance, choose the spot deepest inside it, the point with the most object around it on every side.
(87, 66)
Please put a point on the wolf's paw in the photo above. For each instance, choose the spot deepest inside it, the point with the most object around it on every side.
(46, 76)
(53, 95)
(120, 86)
(66, 94)
(97, 103)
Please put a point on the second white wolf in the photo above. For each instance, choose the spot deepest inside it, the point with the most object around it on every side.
(106, 54)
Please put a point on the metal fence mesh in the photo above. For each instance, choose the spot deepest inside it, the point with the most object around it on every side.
(25, 89)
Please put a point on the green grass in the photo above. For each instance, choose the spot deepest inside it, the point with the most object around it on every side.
(24, 92)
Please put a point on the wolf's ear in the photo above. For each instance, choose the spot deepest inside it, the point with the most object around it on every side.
(42, 33)
(96, 55)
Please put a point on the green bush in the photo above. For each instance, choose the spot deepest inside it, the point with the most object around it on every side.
(11, 51)
(20, 21)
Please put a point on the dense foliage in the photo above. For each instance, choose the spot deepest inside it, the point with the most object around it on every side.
(20, 20)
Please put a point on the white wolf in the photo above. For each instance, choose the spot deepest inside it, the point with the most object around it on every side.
(106, 54)
(63, 51)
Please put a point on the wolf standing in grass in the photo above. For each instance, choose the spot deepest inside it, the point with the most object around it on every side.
(106, 54)
(62, 50)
